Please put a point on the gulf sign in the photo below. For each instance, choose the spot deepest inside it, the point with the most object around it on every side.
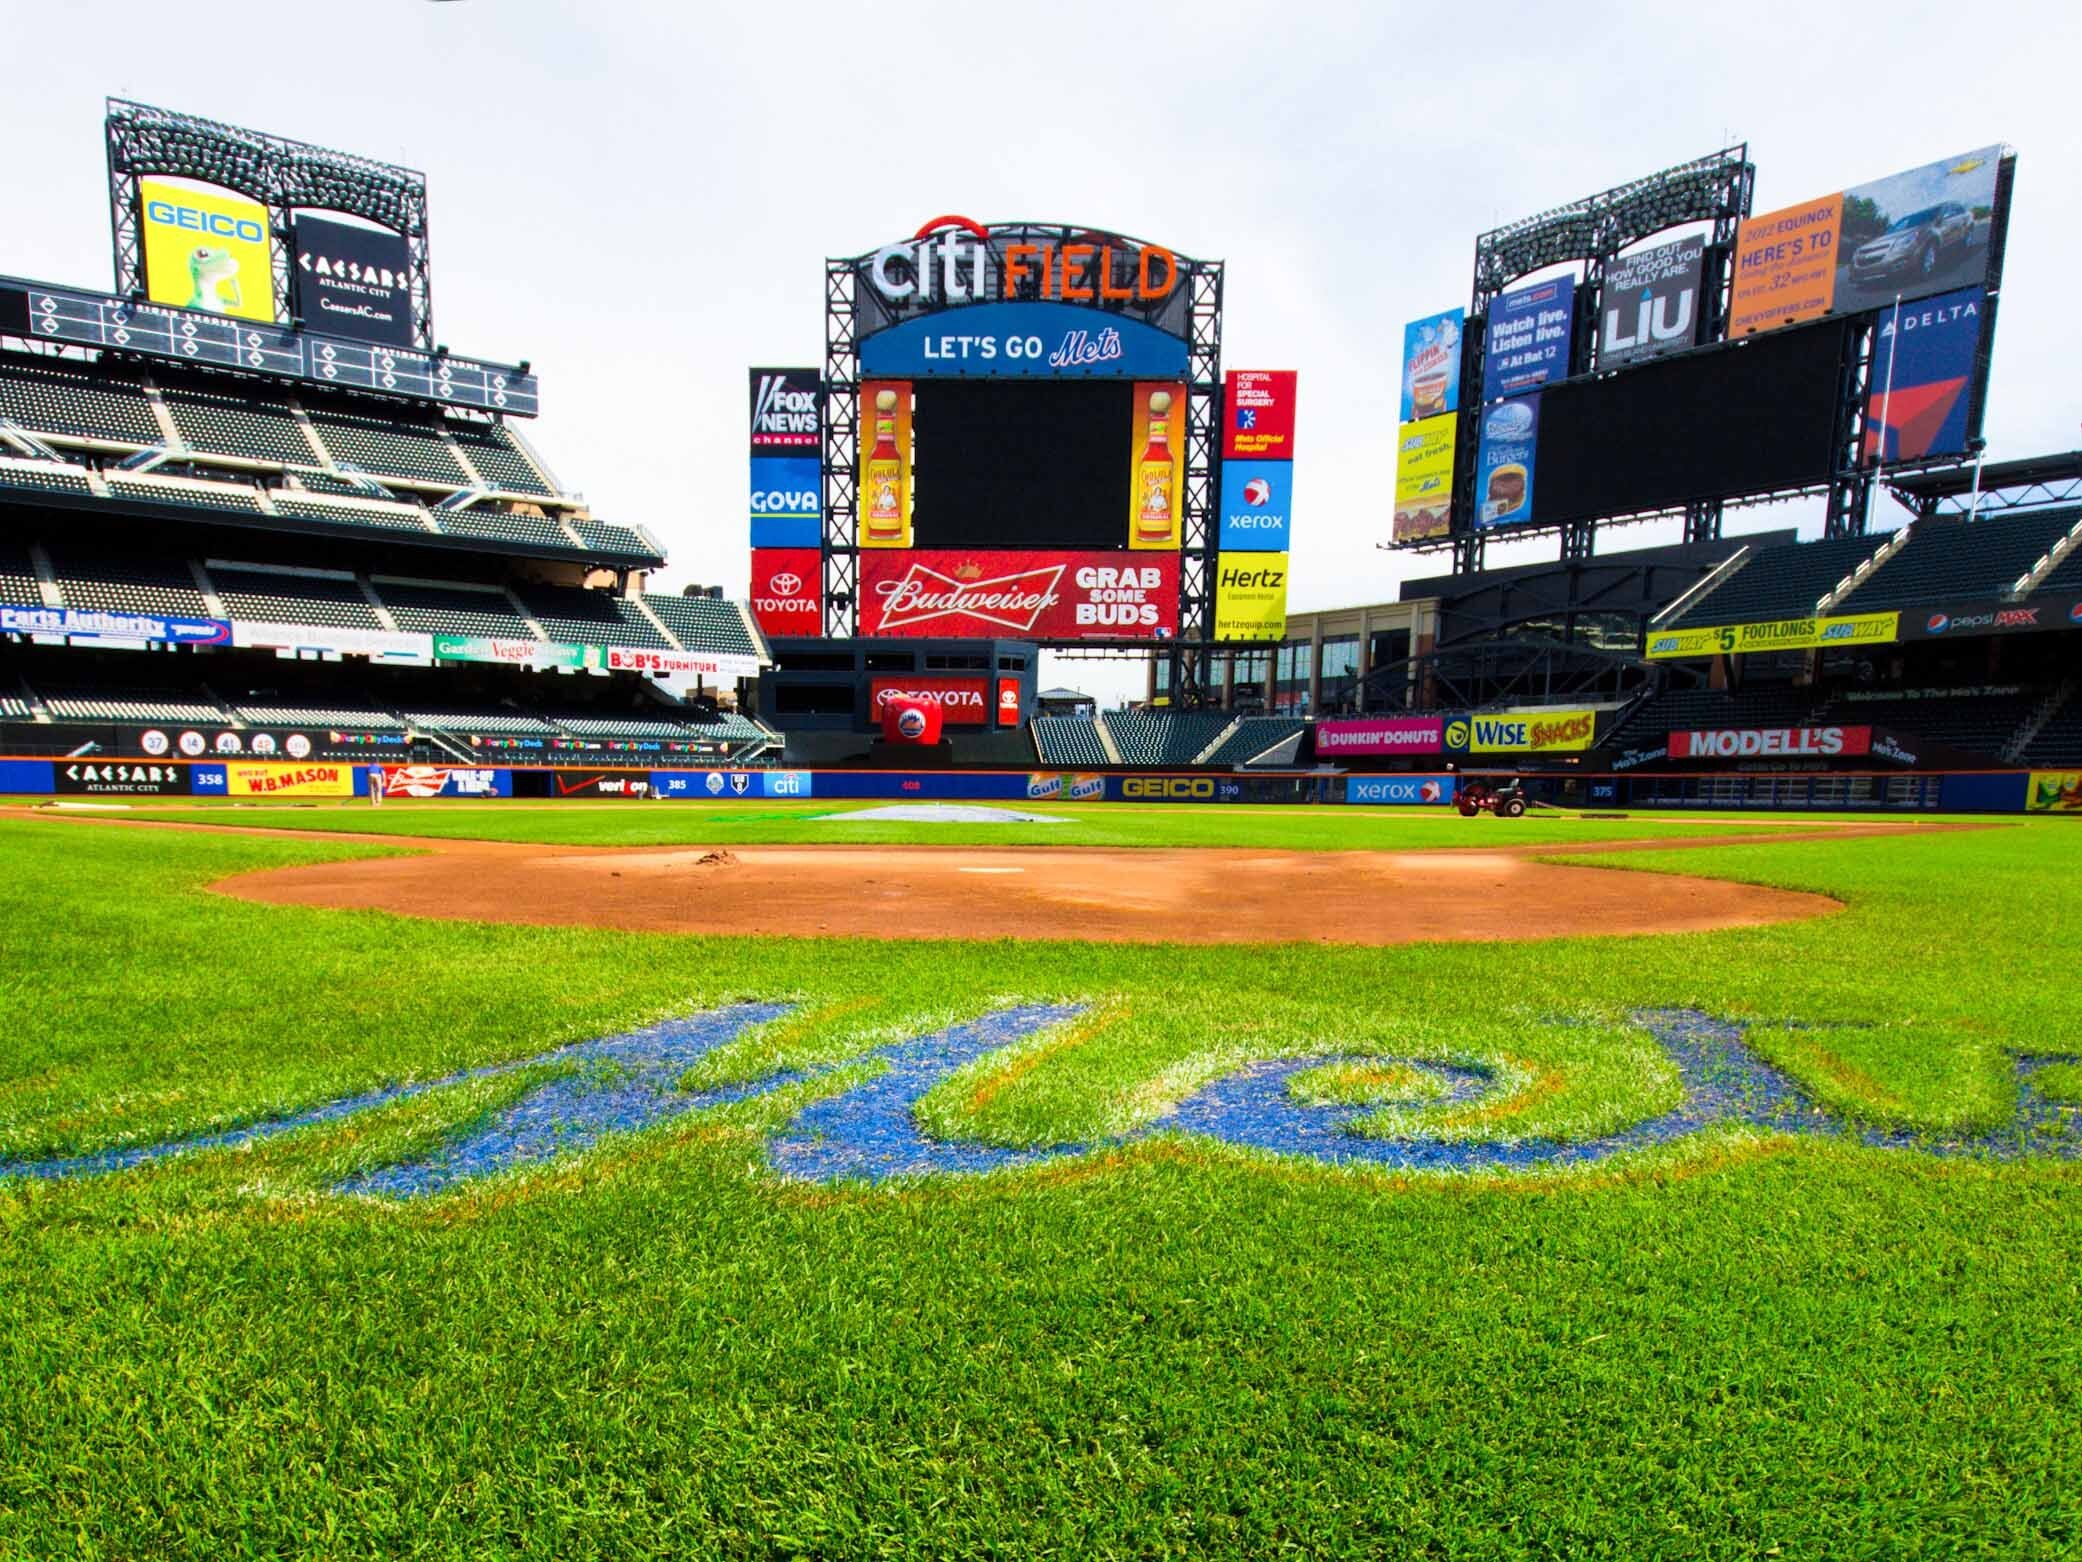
(1772, 743)
(788, 591)
(962, 702)
(1258, 414)
(1523, 732)
(206, 249)
(1379, 736)
(1019, 593)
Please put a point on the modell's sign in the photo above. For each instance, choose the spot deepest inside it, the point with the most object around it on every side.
(1772, 743)
(963, 702)
(1006, 593)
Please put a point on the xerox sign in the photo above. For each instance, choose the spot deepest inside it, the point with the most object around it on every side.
(1005, 592)
(963, 702)
(1772, 743)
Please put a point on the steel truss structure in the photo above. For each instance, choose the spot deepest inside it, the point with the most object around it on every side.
(282, 175)
(1192, 652)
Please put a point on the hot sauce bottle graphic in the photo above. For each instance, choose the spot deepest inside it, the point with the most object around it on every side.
(885, 474)
(1155, 509)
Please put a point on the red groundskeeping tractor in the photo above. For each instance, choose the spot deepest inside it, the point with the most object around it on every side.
(1506, 800)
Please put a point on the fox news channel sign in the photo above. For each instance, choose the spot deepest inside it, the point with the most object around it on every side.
(352, 281)
(958, 300)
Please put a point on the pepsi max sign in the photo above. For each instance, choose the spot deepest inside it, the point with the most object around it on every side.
(1257, 506)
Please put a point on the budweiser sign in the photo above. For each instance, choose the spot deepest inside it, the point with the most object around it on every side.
(1772, 743)
(1048, 596)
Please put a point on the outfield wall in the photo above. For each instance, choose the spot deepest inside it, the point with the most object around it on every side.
(2009, 791)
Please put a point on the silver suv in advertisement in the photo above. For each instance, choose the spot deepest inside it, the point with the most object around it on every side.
(1913, 247)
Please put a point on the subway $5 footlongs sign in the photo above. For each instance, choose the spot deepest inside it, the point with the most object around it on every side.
(1781, 634)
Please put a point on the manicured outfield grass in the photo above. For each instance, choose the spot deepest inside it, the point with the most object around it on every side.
(1731, 1347)
(1091, 824)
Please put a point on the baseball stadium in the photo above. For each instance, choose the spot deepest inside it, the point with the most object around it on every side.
(1580, 1059)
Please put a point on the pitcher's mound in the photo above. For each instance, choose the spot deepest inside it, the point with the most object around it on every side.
(937, 813)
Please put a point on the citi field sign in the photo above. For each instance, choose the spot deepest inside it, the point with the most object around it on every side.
(959, 299)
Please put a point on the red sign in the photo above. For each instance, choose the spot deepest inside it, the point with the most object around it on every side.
(1772, 743)
(1019, 595)
(788, 591)
(1008, 702)
(1258, 415)
(960, 701)
(907, 719)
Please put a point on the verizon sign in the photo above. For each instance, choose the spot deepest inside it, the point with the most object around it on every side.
(963, 702)
(1019, 594)
(1772, 743)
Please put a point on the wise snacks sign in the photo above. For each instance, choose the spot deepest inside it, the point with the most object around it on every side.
(1019, 594)
(1523, 732)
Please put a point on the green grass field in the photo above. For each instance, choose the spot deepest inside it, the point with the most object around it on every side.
(1739, 1345)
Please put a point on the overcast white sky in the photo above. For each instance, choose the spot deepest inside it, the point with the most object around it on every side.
(637, 195)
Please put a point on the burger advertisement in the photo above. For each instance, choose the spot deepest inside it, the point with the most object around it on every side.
(1504, 462)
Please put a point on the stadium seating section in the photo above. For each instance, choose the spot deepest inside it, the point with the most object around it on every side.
(1782, 582)
(1151, 738)
(1068, 740)
(1253, 736)
(57, 396)
(126, 582)
(271, 597)
(703, 623)
(1945, 561)
(588, 618)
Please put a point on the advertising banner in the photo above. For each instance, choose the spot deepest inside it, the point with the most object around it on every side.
(721, 666)
(1258, 414)
(512, 653)
(953, 262)
(1157, 473)
(441, 781)
(1785, 634)
(350, 281)
(1772, 743)
(1257, 506)
(963, 702)
(1987, 616)
(1504, 462)
(1025, 341)
(1431, 365)
(126, 780)
(1068, 787)
(1922, 365)
(93, 624)
(1019, 593)
(885, 464)
(2054, 792)
(1401, 791)
(1522, 732)
(1528, 340)
(1173, 789)
(1906, 236)
(785, 420)
(787, 595)
(245, 778)
(787, 502)
(1381, 735)
(1251, 597)
(1424, 478)
(343, 640)
(1010, 712)
(206, 249)
(598, 783)
(734, 783)
(1650, 303)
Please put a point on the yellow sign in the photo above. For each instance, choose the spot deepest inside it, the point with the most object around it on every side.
(1781, 634)
(1251, 596)
(1523, 732)
(2054, 792)
(1786, 266)
(1157, 482)
(1424, 477)
(206, 250)
(313, 780)
(885, 464)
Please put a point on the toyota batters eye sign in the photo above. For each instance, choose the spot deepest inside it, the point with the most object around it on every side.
(352, 281)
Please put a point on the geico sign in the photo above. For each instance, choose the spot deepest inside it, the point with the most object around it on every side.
(951, 260)
(213, 223)
(1168, 786)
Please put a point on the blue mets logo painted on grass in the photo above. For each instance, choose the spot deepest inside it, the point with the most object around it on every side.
(870, 1131)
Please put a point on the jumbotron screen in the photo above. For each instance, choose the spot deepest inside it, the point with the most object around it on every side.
(1022, 464)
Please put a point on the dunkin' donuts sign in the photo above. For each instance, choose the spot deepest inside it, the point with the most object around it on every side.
(963, 702)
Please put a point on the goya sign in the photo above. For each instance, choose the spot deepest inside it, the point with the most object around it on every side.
(1779, 634)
